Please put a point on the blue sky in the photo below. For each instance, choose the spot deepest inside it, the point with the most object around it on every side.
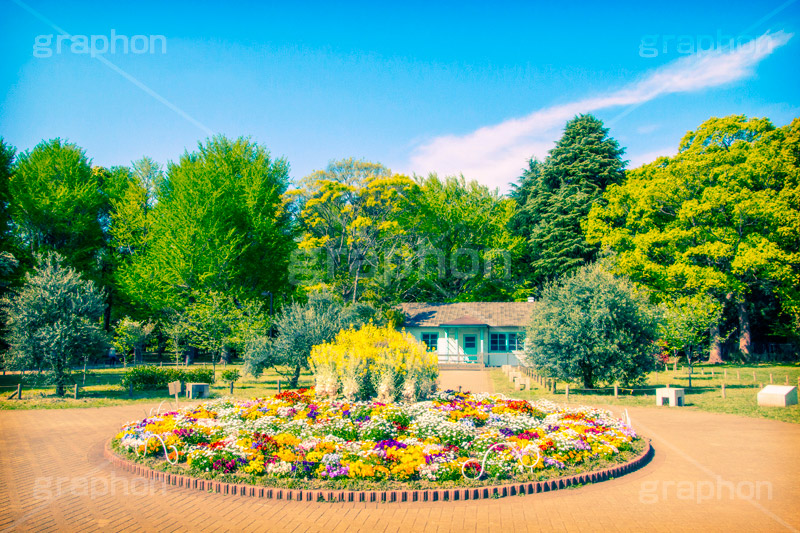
(456, 87)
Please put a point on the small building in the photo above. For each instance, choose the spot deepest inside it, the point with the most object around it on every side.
(470, 333)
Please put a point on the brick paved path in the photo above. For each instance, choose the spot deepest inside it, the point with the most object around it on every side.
(53, 477)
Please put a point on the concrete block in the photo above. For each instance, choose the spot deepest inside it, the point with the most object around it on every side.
(777, 396)
(675, 397)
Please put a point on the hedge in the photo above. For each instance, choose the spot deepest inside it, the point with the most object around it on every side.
(156, 377)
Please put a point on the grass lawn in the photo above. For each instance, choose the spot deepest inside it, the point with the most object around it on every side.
(102, 389)
(705, 393)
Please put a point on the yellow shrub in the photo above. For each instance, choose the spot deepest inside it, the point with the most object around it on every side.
(374, 361)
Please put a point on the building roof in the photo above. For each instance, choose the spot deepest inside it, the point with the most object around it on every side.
(493, 314)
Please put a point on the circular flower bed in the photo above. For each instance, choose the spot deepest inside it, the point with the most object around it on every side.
(455, 437)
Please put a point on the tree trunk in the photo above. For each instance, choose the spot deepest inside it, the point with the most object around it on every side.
(715, 355)
(295, 377)
(191, 352)
(744, 329)
(227, 355)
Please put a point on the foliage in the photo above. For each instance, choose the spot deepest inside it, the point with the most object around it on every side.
(219, 224)
(375, 236)
(352, 213)
(218, 323)
(53, 322)
(373, 361)
(592, 326)
(558, 195)
(131, 336)
(305, 437)
(722, 217)
(464, 250)
(300, 327)
(686, 323)
(231, 375)
(156, 377)
(57, 203)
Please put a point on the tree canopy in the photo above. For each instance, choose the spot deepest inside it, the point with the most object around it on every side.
(719, 218)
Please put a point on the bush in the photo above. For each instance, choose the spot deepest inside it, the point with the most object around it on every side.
(374, 361)
(155, 377)
(230, 375)
(595, 327)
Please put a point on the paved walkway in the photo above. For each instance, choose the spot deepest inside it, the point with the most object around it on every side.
(468, 380)
(710, 473)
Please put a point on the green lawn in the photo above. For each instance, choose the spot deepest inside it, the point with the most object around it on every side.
(102, 389)
(705, 393)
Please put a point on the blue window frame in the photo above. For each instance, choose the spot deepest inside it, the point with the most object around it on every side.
(497, 342)
(506, 342)
(470, 341)
(431, 340)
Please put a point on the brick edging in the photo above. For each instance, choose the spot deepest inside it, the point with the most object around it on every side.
(382, 496)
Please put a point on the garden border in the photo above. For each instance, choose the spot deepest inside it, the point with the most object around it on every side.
(381, 496)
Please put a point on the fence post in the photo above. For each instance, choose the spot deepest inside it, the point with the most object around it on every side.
(279, 386)
(723, 391)
(616, 390)
(231, 387)
(754, 376)
(75, 395)
(19, 390)
(770, 378)
(726, 373)
(566, 392)
(738, 376)
(130, 390)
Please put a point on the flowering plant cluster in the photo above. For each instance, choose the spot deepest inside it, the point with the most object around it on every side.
(300, 435)
(374, 362)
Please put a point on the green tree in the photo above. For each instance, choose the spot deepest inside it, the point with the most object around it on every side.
(685, 325)
(57, 203)
(7, 153)
(219, 324)
(722, 217)
(559, 193)
(464, 250)
(593, 326)
(8, 262)
(54, 322)
(132, 336)
(351, 221)
(219, 224)
(300, 327)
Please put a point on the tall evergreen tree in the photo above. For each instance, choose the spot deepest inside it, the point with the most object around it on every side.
(559, 194)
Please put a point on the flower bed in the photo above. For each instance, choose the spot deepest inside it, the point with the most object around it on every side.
(454, 439)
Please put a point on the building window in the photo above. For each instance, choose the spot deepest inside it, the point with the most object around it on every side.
(431, 340)
(469, 342)
(506, 342)
(516, 341)
(497, 342)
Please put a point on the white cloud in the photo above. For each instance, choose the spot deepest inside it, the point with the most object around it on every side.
(496, 154)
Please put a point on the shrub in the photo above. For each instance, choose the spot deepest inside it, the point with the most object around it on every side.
(374, 361)
(155, 377)
(231, 375)
(593, 326)
(54, 322)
